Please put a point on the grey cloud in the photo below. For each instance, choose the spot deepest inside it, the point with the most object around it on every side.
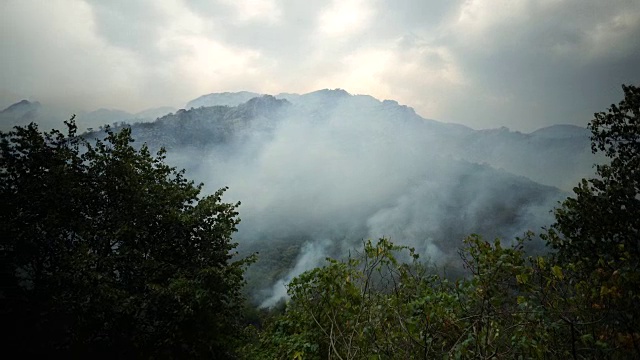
(545, 63)
(414, 16)
(131, 24)
(288, 43)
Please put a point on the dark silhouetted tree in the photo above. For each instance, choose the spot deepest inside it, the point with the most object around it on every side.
(597, 233)
(108, 251)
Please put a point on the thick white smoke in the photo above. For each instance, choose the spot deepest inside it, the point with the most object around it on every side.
(331, 169)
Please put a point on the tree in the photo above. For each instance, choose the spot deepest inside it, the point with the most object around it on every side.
(108, 251)
(597, 232)
(602, 220)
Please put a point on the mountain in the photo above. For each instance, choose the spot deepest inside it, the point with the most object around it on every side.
(319, 172)
(205, 127)
(48, 117)
(24, 112)
(562, 132)
(21, 108)
(20, 113)
(550, 156)
(223, 99)
(103, 117)
(154, 113)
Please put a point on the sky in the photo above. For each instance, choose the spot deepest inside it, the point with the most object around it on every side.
(522, 64)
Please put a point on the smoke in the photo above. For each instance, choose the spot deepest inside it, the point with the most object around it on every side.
(319, 175)
(311, 255)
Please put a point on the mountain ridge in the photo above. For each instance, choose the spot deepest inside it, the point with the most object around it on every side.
(537, 151)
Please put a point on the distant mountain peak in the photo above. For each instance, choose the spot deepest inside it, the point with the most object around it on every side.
(222, 99)
(22, 106)
(265, 99)
(337, 93)
(561, 131)
(266, 105)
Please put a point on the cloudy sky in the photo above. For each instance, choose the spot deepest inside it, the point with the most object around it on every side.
(523, 64)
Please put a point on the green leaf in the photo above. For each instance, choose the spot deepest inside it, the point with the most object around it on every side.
(557, 272)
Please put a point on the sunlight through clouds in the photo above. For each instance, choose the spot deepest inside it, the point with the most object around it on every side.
(346, 17)
(247, 11)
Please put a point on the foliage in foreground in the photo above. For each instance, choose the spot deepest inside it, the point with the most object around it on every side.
(374, 306)
(108, 251)
(511, 306)
(580, 302)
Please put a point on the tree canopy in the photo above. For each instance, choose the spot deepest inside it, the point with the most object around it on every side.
(107, 250)
(602, 220)
(597, 232)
